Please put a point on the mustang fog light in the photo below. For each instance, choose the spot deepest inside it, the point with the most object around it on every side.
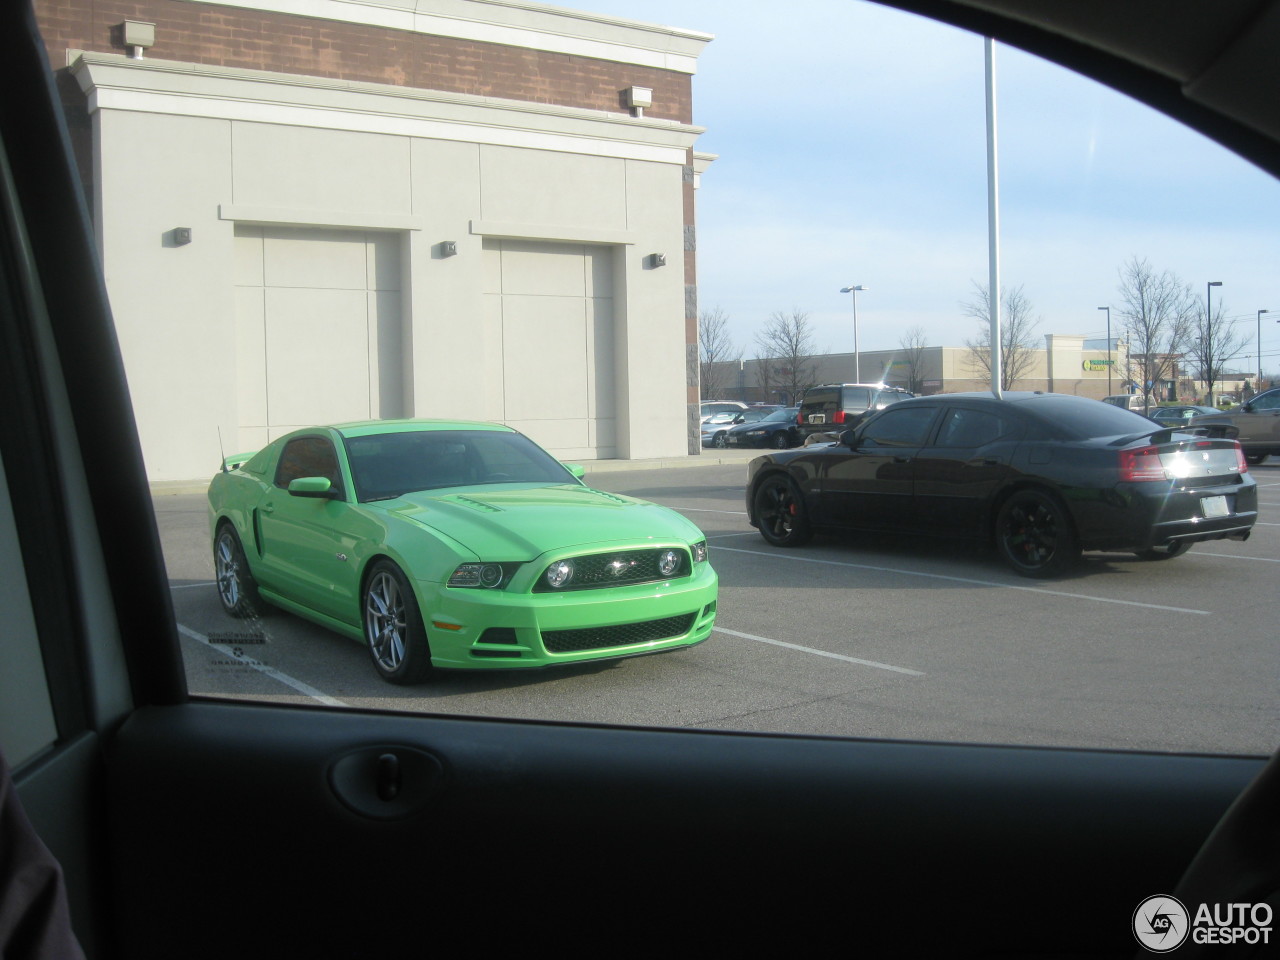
(700, 552)
(668, 562)
(560, 573)
(487, 575)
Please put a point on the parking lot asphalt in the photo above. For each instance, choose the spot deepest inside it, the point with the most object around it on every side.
(860, 636)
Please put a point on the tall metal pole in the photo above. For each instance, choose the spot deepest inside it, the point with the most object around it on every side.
(1206, 344)
(853, 289)
(993, 221)
(1108, 309)
(1257, 387)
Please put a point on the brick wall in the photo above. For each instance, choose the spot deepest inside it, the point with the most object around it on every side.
(232, 37)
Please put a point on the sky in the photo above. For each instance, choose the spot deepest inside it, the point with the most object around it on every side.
(851, 145)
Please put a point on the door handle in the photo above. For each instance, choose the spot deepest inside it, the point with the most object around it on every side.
(268, 508)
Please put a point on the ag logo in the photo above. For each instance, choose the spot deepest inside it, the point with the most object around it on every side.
(1161, 924)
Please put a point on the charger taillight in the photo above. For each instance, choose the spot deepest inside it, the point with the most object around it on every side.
(1141, 465)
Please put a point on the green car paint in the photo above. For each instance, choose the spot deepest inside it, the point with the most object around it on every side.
(319, 514)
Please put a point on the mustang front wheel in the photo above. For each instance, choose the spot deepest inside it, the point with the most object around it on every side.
(780, 512)
(236, 587)
(1034, 535)
(393, 626)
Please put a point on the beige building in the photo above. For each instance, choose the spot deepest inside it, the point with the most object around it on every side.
(1062, 365)
(332, 211)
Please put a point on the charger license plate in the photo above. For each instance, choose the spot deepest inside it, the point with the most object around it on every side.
(1214, 507)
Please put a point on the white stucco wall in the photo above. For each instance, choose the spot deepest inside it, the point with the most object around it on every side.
(180, 145)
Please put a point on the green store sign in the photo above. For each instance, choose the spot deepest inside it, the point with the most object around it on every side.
(1096, 366)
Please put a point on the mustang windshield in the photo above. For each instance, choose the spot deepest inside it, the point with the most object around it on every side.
(388, 465)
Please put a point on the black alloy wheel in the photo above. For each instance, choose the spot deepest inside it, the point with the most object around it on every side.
(237, 590)
(393, 628)
(1035, 536)
(720, 440)
(780, 440)
(1253, 459)
(780, 512)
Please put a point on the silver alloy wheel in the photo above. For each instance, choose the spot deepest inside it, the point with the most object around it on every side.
(384, 620)
(228, 570)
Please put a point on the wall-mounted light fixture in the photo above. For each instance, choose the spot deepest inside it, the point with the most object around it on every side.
(448, 248)
(181, 236)
(138, 35)
(638, 98)
(655, 260)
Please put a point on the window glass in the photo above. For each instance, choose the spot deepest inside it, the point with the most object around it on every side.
(440, 256)
(972, 428)
(900, 427)
(308, 457)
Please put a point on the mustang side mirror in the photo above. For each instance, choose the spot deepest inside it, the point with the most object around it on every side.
(318, 488)
(849, 439)
(577, 469)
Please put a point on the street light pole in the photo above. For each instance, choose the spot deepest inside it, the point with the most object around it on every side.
(857, 357)
(1257, 387)
(1108, 309)
(1207, 340)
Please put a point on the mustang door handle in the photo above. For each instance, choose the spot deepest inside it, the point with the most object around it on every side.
(985, 462)
(268, 508)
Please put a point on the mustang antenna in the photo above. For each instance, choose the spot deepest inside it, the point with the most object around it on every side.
(221, 452)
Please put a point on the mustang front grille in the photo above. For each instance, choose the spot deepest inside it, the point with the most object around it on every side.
(591, 638)
(623, 568)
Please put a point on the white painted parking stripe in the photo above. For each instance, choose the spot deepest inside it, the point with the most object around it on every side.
(980, 583)
(1234, 556)
(188, 586)
(819, 653)
(262, 668)
(731, 513)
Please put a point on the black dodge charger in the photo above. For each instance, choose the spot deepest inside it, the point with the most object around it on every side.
(1042, 476)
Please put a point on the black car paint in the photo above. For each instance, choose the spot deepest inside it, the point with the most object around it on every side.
(848, 485)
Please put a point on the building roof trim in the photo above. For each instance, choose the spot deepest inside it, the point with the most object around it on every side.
(115, 82)
(516, 23)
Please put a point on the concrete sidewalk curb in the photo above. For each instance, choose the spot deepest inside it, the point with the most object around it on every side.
(709, 458)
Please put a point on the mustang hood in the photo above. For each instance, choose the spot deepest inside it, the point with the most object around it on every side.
(519, 523)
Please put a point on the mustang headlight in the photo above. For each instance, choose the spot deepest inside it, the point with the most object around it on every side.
(700, 552)
(487, 575)
(559, 573)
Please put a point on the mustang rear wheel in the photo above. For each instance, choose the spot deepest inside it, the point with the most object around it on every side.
(780, 512)
(1253, 459)
(393, 627)
(1167, 552)
(1034, 535)
(236, 587)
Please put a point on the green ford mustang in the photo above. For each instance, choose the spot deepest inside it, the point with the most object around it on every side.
(453, 544)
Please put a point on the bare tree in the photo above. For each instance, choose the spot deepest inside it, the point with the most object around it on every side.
(913, 345)
(714, 347)
(1017, 334)
(764, 376)
(1216, 341)
(1157, 316)
(787, 341)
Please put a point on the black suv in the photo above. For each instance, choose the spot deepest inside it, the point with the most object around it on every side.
(836, 407)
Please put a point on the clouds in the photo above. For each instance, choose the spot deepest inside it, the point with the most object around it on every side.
(852, 150)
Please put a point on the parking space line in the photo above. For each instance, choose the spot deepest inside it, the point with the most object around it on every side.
(188, 586)
(262, 668)
(819, 653)
(731, 513)
(1232, 556)
(980, 583)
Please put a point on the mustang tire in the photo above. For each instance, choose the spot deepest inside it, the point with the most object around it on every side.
(1035, 536)
(780, 512)
(393, 628)
(237, 589)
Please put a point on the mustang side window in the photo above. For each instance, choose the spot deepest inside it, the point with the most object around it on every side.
(308, 457)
